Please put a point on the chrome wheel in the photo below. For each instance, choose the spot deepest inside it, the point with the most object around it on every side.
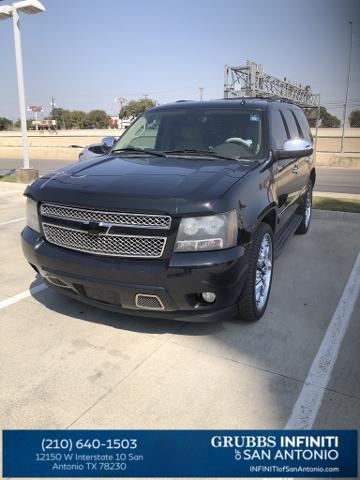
(263, 272)
(308, 205)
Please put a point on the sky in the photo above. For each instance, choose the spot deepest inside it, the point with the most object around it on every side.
(85, 53)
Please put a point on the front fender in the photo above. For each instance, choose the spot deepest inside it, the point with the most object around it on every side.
(255, 197)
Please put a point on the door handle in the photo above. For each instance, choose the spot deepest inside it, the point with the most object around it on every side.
(295, 169)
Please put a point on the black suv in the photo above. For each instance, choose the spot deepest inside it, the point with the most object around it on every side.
(183, 217)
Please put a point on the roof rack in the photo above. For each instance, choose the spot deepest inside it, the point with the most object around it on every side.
(250, 81)
(273, 98)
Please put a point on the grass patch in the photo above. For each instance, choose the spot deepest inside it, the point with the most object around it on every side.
(8, 178)
(336, 204)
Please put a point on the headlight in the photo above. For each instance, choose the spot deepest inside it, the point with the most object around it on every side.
(32, 217)
(213, 232)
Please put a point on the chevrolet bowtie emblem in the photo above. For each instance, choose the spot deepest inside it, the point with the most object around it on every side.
(97, 228)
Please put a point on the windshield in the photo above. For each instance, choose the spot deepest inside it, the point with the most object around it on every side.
(230, 132)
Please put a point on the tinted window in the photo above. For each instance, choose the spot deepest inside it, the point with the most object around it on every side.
(232, 132)
(290, 121)
(279, 134)
(304, 126)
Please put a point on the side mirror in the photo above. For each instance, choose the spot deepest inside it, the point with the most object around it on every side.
(294, 148)
(107, 143)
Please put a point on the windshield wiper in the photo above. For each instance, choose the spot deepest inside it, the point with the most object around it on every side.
(200, 152)
(138, 150)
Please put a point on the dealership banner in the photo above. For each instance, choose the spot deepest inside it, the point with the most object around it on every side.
(179, 453)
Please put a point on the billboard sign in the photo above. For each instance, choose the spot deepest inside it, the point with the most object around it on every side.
(35, 108)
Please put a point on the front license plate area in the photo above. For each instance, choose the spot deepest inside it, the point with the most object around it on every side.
(111, 297)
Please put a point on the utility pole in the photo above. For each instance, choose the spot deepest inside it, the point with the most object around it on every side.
(347, 92)
(52, 107)
(122, 101)
(201, 92)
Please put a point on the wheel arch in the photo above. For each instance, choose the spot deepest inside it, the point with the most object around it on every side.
(269, 216)
(312, 176)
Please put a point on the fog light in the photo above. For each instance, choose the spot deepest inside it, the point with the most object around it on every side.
(208, 297)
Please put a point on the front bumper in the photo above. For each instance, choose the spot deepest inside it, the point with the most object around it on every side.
(113, 283)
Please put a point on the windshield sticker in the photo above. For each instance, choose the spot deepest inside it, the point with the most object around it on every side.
(254, 118)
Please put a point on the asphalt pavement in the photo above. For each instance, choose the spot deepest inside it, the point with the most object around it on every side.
(329, 179)
(338, 180)
(44, 166)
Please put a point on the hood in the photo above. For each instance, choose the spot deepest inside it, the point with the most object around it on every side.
(171, 184)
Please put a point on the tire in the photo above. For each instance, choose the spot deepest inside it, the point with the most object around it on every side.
(305, 212)
(252, 305)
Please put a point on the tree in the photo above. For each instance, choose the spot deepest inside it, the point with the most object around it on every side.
(17, 124)
(355, 119)
(5, 123)
(62, 117)
(78, 119)
(311, 115)
(97, 118)
(135, 107)
(327, 120)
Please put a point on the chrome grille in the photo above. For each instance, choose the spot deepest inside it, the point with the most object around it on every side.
(110, 245)
(115, 218)
(148, 302)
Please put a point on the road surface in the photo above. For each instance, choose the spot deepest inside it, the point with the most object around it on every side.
(329, 179)
(339, 180)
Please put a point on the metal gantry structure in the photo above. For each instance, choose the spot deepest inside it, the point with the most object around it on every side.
(250, 80)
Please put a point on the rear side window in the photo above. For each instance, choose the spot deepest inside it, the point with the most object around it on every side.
(278, 130)
(291, 123)
(304, 125)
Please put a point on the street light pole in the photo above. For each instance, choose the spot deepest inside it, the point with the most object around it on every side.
(25, 174)
(21, 91)
(201, 92)
(347, 92)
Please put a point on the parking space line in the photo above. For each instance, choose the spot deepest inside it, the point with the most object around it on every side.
(305, 410)
(13, 221)
(22, 295)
